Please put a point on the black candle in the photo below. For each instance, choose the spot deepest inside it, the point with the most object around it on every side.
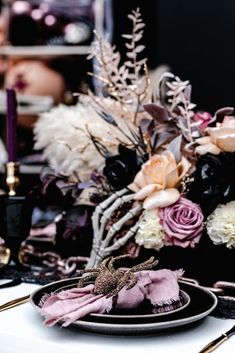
(11, 125)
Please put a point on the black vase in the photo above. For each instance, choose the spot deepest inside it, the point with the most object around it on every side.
(72, 239)
(15, 222)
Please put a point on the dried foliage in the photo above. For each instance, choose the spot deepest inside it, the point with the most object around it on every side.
(181, 108)
(173, 123)
(123, 82)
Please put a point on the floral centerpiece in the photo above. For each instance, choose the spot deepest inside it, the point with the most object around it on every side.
(158, 173)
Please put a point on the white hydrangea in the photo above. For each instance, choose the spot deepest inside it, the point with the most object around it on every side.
(150, 233)
(221, 225)
(62, 134)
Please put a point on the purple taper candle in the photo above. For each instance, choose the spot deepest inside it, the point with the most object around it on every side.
(11, 125)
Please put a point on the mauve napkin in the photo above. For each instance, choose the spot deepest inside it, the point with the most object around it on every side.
(160, 287)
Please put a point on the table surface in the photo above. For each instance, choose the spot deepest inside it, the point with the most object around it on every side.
(22, 331)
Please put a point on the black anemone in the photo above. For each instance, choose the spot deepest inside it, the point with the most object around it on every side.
(214, 181)
(121, 169)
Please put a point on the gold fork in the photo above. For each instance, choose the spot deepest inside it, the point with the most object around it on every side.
(219, 340)
(14, 302)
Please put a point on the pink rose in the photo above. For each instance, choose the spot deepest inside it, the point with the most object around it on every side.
(218, 139)
(182, 223)
(204, 117)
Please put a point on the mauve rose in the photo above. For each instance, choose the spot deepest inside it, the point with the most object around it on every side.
(182, 223)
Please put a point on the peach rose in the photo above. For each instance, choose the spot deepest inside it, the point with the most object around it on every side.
(220, 138)
(157, 182)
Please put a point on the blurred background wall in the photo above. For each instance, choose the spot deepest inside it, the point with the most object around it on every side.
(195, 38)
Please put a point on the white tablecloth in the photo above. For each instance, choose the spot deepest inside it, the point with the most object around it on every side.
(22, 331)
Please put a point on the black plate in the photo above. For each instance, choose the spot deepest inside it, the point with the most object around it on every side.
(145, 310)
(202, 303)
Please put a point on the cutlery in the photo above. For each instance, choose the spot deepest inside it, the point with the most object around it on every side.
(14, 302)
(219, 340)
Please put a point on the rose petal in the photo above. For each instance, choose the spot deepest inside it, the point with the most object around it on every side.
(139, 180)
(172, 178)
(226, 143)
(209, 148)
(145, 191)
(183, 167)
(155, 169)
(216, 132)
(161, 198)
(203, 140)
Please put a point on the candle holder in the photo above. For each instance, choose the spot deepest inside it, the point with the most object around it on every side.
(12, 177)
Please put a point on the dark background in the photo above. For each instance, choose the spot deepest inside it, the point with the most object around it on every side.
(195, 38)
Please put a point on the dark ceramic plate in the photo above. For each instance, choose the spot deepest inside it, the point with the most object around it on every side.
(202, 303)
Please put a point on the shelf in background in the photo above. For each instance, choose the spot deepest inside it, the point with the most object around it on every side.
(37, 50)
(30, 169)
(28, 104)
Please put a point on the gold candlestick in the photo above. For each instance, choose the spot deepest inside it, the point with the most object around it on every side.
(12, 177)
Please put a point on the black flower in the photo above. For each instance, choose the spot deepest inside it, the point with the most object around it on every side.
(214, 181)
(121, 169)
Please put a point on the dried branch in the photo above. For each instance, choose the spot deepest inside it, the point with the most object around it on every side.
(123, 82)
(180, 107)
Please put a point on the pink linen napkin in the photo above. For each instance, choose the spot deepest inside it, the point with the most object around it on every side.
(160, 287)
